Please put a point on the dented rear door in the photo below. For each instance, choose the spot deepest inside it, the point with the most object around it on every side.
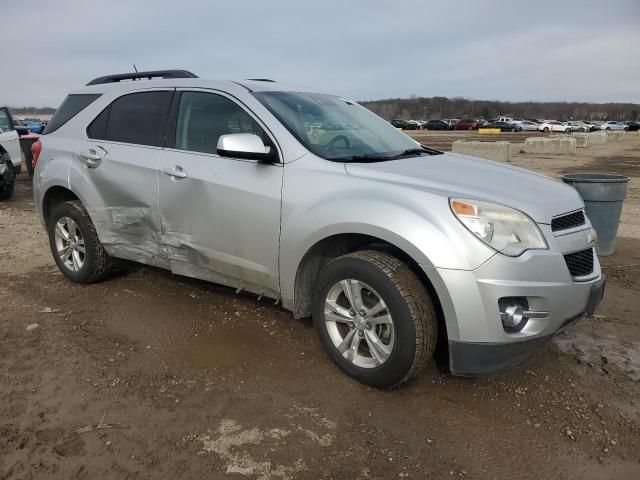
(115, 173)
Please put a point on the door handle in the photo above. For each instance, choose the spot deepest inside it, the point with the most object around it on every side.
(175, 172)
(92, 157)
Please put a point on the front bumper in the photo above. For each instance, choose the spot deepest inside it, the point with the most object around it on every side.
(478, 342)
(477, 359)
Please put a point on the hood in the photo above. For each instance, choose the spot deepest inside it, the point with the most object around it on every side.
(454, 175)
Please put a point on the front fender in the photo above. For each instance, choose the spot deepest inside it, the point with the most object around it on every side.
(431, 241)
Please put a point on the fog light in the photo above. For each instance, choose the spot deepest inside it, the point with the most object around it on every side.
(515, 313)
(513, 316)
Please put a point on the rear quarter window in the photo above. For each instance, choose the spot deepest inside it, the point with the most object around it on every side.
(138, 118)
(71, 106)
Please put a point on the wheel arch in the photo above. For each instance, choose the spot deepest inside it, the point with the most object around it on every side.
(55, 195)
(336, 245)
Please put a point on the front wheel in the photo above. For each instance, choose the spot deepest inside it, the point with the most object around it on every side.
(374, 318)
(75, 245)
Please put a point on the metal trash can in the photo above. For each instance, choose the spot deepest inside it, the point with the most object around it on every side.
(25, 144)
(603, 194)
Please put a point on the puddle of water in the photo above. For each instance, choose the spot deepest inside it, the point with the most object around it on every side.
(227, 347)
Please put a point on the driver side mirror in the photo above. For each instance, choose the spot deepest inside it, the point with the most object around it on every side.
(245, 145)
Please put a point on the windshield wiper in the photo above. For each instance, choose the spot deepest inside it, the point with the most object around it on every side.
(363, 158)
(414, 151)
(381, 158)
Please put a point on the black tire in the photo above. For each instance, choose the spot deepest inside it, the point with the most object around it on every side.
(18, 169)
(8, 182)
(408, 302)
(97, 262)
(545, 129)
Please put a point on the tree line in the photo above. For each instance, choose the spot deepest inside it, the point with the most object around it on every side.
(425, 108)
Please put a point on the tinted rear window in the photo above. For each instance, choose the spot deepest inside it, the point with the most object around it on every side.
(139, 118)
(71, 106)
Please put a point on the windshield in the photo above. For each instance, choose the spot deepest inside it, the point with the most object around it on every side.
(335, 128)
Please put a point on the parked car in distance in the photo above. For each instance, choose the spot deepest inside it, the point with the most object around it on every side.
(633, 126)
(34, 126)
(451, 121)
(404, 124)
(437, 125)
(554, 126)
(528, 126)
(577, 126)
(505, 126)
(467, 124)
(20, 127)
(406, 245)
(10, 152)
(614, 125)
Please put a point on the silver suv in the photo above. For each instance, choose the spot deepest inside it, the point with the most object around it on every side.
(392, 247)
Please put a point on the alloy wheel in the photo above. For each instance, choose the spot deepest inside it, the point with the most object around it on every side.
(69, 244)
(359, 323)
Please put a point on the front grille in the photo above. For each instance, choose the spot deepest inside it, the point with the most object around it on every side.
(580, 263)
(564, 222)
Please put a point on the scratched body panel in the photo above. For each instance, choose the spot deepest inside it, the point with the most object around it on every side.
(121, 196)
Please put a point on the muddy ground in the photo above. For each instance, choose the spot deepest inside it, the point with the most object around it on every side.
(150, 375)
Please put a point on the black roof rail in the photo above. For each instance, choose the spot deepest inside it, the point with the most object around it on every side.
(261, 80)
(142, 75)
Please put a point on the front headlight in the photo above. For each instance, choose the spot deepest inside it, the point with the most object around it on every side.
(504, 229)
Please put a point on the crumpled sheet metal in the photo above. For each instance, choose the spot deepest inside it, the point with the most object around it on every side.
(192, 260)
(131, 233)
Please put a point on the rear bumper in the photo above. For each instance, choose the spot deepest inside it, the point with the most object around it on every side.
(477, 359)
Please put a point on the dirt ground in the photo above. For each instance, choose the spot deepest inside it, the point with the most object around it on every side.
(150, 375)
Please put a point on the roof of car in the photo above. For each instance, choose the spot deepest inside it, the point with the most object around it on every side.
(225, 85)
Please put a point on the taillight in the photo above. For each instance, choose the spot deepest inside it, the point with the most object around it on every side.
(36, 148)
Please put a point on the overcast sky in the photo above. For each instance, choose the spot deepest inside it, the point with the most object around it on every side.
(578, 50)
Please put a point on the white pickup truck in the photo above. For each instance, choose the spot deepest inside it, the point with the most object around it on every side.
(10, 154)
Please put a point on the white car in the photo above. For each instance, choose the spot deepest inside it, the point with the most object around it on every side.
(9, 139)
(554, 126)
(451, 121)
(528, 126)
(578, 126)
(614, 126)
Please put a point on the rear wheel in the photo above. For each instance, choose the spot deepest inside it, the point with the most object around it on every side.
(75, 245)
(374, 318)
(545, 129)
(8, 179)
